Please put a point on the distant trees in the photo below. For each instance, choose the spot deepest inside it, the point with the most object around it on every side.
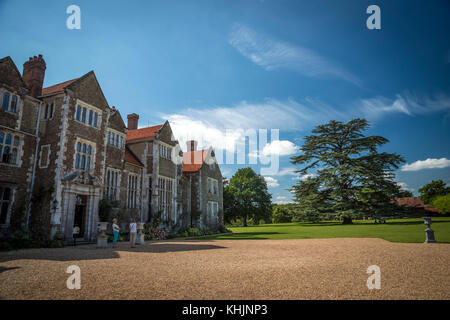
(442, 203)
(353, 178)
(246, 197)
(432, 190)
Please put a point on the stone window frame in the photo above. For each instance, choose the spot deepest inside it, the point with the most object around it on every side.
(10, 202)
(92, 156)
(112, 190)
(89, 108)
(119, 139)
(212, 210)
(11, 95)
(165, 150)
(49, 107)
(132, 190)
(41, 153)
(16, 144)
(213, 186)
(165, 195)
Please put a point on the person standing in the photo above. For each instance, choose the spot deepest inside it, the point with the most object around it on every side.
(116, 231)
(133, 230)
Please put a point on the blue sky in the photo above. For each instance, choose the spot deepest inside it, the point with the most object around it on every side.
(213, 65)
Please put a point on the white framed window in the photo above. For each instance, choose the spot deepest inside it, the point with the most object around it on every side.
(165, 195)
(9, 102)
(48, 111)
(212, 211)
(213, 186)
(84, 155)
(132, 191)
(165, 151)
(9, 148)
(112, 183)
(116, 139)
(6, 200)
(87, 114)
(44, 156)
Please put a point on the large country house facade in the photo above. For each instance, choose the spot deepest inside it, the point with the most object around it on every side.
(64, 149)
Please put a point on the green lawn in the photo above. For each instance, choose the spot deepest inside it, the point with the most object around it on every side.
(396, 230)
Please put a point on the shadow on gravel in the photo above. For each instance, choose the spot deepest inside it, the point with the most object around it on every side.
(3, 269)
(92, 253)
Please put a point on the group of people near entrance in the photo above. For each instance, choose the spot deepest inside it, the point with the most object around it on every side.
(133, 231)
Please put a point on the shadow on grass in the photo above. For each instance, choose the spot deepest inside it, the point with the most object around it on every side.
(91, 253)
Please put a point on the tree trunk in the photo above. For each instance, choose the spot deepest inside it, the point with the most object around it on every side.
(347, 220)
(245, 220)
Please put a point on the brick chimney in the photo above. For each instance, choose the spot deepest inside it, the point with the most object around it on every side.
(191, 145)
(33, 75)
(133, 121)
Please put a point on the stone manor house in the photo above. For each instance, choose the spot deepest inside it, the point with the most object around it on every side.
(63, 149)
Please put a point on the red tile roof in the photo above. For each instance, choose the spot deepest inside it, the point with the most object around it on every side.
(143, 133)
(193, 160)
(57, 88)
(415, 202)
(130, 157)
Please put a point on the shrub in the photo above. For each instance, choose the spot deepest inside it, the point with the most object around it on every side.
(442, 203)
(104, 210)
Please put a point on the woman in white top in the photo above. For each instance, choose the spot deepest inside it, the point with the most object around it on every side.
(133, 231)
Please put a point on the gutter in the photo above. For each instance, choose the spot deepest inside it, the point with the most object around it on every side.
(34, 164)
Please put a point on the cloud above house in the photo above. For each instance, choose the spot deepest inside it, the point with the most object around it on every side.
(404, 186)
(272, 54)
(429, 163)
(225, 126)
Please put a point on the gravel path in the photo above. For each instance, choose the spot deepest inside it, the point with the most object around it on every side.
(231, 269)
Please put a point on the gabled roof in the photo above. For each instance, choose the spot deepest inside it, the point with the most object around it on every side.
(57, 88)
(130, 157)
(143, 133)
(8, 60)
(193, 160)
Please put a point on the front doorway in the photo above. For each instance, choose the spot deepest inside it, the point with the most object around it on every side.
(79, 219)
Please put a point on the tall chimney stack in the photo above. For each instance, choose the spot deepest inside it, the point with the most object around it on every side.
(191, 145)
(33, 75)
(133, 121)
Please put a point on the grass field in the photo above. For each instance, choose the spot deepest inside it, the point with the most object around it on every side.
(396, 230)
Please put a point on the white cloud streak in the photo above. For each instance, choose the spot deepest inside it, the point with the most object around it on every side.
(427, 164)
(272, 54)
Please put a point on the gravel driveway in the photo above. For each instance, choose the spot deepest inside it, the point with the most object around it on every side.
(231, 269)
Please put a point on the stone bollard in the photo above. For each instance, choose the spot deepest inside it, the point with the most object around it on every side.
(102, 239)
(140, 237)
(428, 231)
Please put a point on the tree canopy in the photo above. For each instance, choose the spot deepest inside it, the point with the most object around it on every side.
(246, 197)
(352, 177)
(432, 190)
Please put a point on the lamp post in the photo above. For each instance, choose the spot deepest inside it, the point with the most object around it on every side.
(428, 231)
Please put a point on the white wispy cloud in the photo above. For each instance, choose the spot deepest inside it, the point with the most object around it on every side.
(406, 103)
(288, 171)
(271, 182)
(429, 163)
(272, 54)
